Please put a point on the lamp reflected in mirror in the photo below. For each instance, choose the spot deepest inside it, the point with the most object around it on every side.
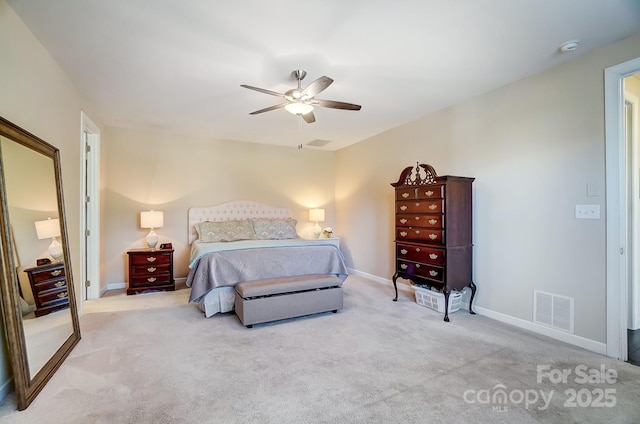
(50, 228)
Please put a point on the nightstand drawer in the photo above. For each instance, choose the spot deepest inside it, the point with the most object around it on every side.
(152, 258)
(150, 269)
(150, 280)
(47, 274)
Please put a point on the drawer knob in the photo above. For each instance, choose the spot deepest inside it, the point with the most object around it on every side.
(403, 251)
(151, 279)
(417, 265)
(60, 284)
(433, 256)
(405, 195)
(56, 272)
(418, 204)
(429, 193)
(417, 231)
(151, 269)
(403, 233)
(433, 236)
(433, 221)
(433, 207)
(403, 208)
(433, 273)
(403, 266)
(417, 249)
(62, 295)
(403, 221)
(417, 218)
(151, 259)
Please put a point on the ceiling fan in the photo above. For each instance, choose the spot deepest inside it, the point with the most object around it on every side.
(301, 101)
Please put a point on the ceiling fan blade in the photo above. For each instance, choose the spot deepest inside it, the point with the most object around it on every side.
(316, 87)
(309, 118)
(262, 90)
(267, 109)
(336, 105)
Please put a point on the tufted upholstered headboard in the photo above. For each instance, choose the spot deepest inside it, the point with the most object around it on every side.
(237, 209)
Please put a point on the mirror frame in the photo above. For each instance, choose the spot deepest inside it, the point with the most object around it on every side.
(27, 387)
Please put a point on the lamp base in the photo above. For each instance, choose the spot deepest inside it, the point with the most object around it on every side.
(152, 240)
(55, 250)
(317, 230)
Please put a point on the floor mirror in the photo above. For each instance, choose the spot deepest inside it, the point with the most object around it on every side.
(38, 299)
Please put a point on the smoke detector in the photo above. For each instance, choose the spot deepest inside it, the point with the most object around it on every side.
(569, 46)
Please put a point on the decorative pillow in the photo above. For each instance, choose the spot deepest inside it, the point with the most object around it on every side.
(274, 228)
(214, 231)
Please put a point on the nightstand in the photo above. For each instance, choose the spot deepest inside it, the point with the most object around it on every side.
(49, 288)
(150, 270)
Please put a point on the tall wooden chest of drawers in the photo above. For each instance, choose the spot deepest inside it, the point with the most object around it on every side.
(150, 270)
(49, 287)
(433, 231)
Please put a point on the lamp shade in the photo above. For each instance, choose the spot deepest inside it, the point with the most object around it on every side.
(151, 219)
(316, 215)
(48, 228)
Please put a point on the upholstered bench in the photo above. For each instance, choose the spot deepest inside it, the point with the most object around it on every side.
(274, 299)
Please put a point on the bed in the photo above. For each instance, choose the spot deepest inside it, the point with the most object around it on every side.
(243, 241)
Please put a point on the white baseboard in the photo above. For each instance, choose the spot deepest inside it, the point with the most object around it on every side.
(572, 339)
(6, 388)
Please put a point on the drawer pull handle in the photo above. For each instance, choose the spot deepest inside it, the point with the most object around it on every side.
(403, 266)
(433, 273)
(403, 208)
(151, 279)
(403, 233)
(405, 195)
(433, 221)
(433, 256)
(56, 272)
(433, 236)
(403, 221)
(429, 193)
(151, 259)
(433, 207)
(417, 250)
(62, 295)
(403, 251)
(151, 269)
(60, 284)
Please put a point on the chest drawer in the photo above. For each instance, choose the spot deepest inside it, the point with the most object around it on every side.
(47, 274)
(421, 270)
(417, 220)
(420, 254)
(423, 192)
(421, 206)
(420, 234)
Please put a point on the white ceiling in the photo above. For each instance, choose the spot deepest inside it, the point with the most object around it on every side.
(178, 65)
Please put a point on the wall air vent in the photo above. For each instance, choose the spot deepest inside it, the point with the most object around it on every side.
(318, 143)
(553, 310)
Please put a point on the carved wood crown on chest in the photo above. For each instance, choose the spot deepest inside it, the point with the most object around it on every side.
(422, 174)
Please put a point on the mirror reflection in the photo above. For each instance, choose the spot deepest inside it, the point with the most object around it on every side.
(32, 205)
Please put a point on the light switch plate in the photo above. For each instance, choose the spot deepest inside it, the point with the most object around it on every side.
(587, 211)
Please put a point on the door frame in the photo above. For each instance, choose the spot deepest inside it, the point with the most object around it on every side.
(90, 183)
(633, 318)
(617, 258)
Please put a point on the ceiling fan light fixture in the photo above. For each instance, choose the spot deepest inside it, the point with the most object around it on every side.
(297, 108)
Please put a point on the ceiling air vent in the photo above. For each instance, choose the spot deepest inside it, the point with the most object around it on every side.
(553, 310)
(318, 143)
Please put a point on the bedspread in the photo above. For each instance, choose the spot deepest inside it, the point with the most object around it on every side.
(229, 267)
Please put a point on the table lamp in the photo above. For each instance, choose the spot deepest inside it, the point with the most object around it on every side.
(151, 219)
(316, 215)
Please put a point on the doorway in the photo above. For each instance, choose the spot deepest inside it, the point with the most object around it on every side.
(90, 208)
(631, 86)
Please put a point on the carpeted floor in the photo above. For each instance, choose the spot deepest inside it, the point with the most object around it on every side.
(153, 358)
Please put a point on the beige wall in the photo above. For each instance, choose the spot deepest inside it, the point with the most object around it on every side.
(38, 97)
(152, 169)
(533, 146)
